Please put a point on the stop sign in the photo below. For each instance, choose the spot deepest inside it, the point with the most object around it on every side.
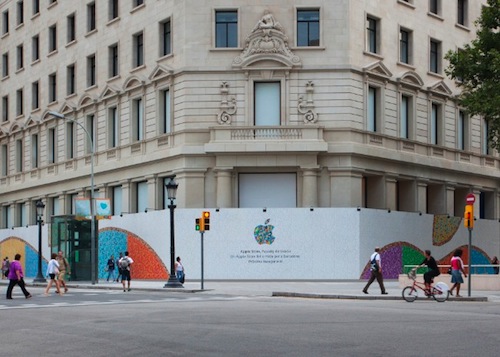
(470, 199)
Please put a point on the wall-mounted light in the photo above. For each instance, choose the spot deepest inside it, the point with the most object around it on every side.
(311, 209)
(358, 208)
(264, 209)
(122, 213)
(419, 213)
(217, 209)
(388, 210)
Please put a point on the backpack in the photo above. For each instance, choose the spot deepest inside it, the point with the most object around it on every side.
(373, 263)
(124, 263)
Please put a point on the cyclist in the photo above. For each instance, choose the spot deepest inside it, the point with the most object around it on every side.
(431, 273)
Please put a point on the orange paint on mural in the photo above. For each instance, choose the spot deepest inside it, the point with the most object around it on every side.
(147, 264)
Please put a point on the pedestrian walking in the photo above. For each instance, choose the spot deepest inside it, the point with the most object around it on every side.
(5, 268)
(125, 263)
(119, 269)
(376, 272)
(179, 270)
(494, 262)
(110, 266)
(457, 266)
(16, 277)
(52, 272)
(64, 269)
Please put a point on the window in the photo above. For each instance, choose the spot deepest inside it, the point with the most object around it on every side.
(226, 29)
(70, 140)
(20, 57)
(435, 7)
(372, 34)
(165, 123)
(52, 2)
(142, 196)
(23, 217)
(91, 71)
(35, 48)
(373, 109)
(267, 103)
(19, 102)
(71, 28)
(137, 120)
(5, 108)
(19, 156)
(138, 54)
(91, 25)
(485, 147)
(20, 12)
(435, 124)
(113, 9)
(462, 12)
(462, 130)
(113, 125)
(434, 56)
(5, 22)
(52, 87)
(90, 126)
(52, 146)
(166, 38)
(34, 151)
(52, 38)
(70, 79)
(405, 122)
(114, 68)
(308, 27)
(137, 3)
(35, 95)
(405, 46)
(36, 7)
(117, 200)
(5, 64)
(5, 160)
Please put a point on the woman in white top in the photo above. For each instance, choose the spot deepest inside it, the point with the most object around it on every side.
(179, 270)
(52, 272)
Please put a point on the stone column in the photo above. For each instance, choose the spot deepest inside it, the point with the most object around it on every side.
(346, 189)
(224, 188)
(391, 193)
(450, 201)
(126, 194)
(191, 190)
(309, 188)
(422, 196)
(153, 194)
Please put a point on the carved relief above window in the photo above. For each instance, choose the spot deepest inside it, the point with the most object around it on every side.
(306, 106)
(267, 42)
(228, 105)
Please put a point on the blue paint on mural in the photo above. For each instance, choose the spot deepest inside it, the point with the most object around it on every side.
(111, 242)
(31, 262)
(478, 258)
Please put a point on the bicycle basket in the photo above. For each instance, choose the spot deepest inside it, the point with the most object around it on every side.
(412, 274)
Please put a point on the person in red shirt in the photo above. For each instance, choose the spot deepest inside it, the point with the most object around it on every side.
(457, 266)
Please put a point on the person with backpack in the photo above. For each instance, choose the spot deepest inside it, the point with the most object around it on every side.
(5, 268)
(110, 268)
(376, 272)
(64, 269)
(119, 269)
(124, 264)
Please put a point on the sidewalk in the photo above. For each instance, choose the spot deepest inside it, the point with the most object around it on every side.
(303, 289)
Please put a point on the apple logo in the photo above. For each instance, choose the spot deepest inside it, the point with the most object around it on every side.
(264, 233)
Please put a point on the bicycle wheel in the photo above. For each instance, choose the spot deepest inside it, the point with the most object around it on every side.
(410, 294)
(440, 292)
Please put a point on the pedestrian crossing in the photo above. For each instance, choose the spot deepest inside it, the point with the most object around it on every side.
(76, 299)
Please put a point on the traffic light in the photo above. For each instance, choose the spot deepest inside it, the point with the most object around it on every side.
(469, 216)
(197, 225)
(206, 220)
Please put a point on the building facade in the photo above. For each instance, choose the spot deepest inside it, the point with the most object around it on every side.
(327, 104)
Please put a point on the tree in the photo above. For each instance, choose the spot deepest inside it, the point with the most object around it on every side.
(476, 68)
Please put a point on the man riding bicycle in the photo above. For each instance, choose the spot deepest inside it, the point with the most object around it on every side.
(432, 272)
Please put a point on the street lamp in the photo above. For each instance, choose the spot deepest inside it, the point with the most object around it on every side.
(39, 214)
(171, 193)
(92, 202)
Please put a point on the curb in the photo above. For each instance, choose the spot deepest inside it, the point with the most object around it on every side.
(373, 297)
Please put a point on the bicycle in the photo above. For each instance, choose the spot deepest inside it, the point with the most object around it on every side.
(439, 292)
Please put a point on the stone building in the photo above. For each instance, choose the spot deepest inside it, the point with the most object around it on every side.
(248, 104)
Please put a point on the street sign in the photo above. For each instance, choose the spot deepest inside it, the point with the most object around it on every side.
(470, 199)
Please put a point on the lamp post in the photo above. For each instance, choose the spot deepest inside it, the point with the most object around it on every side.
(171, 193)
(39, 214)
(92, 202)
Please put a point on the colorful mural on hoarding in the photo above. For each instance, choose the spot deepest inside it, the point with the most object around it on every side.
(11, 246)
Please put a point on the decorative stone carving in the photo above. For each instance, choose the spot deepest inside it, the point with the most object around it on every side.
(267, 41)
(227, 107)
(306, 106)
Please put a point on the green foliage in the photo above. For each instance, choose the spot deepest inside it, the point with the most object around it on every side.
(476, 67)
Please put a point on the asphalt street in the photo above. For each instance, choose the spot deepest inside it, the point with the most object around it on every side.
(110, 322)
